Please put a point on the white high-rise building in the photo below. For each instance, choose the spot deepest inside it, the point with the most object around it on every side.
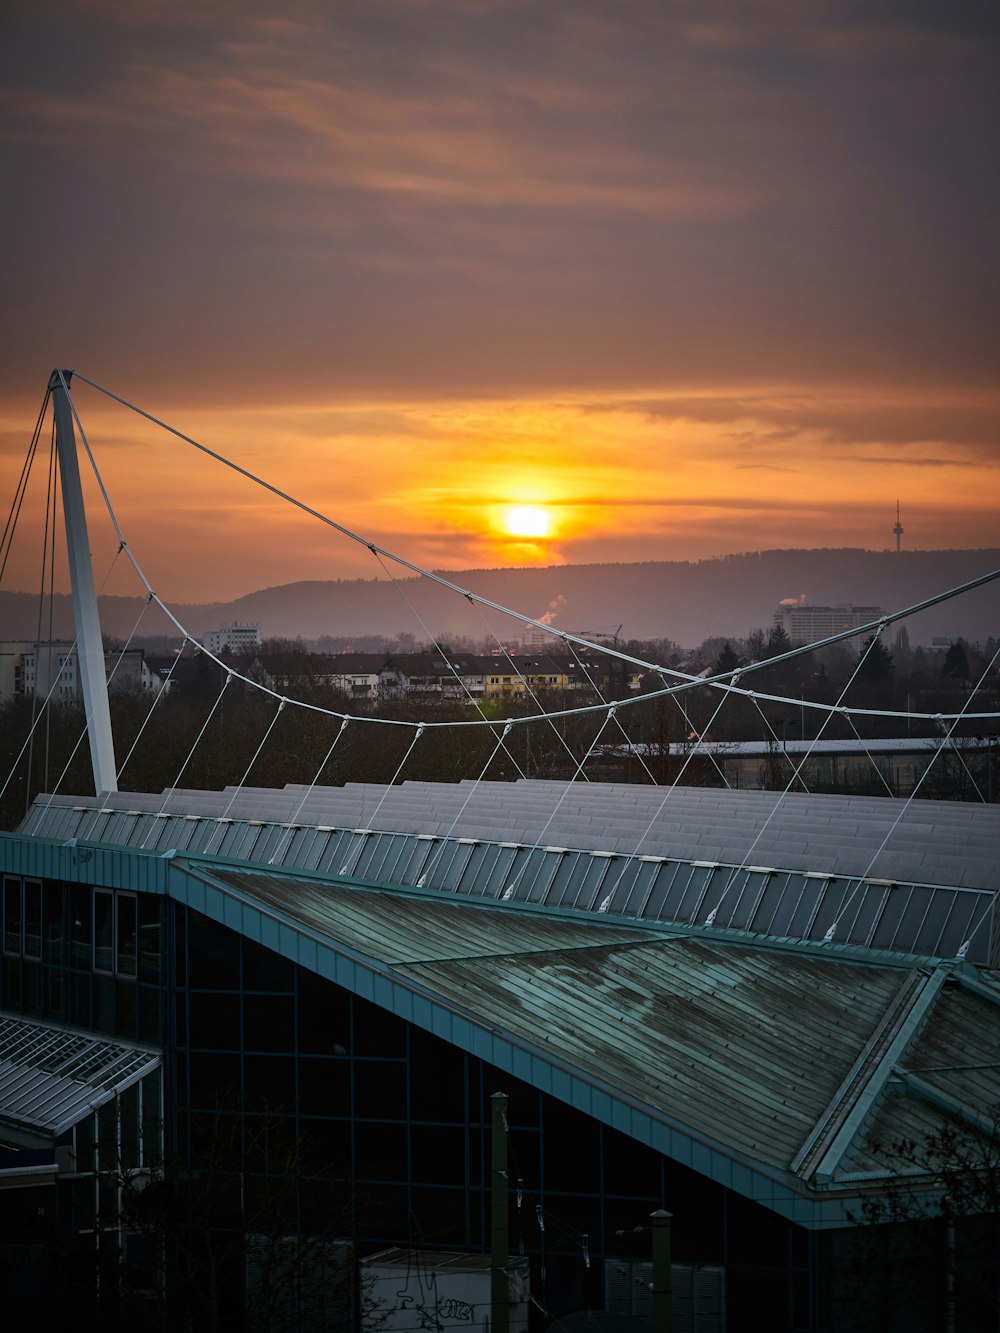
(806, 624)
(238, 639)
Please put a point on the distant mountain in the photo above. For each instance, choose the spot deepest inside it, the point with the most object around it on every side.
(686, 601)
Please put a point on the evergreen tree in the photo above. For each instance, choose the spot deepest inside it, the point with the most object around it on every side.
(875, 662)
(726, 661)
(956, 662)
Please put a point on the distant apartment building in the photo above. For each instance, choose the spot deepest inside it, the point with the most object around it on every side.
(237, 639)
(806, 624)
(51, 670)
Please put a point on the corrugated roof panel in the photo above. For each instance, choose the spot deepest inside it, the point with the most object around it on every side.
(957, 1051)
(395, 928)
(51, 1077)
(747, 1048)
(746, 1043)
(931, 851)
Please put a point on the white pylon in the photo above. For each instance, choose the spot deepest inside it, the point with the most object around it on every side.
(89, 644)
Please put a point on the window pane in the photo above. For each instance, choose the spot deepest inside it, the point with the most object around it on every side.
(12, 915)
(149, 1015)
(263, 969)
(12, 982)
(79, 927)
(214, 1021)
(104, 1004)
(150, 937)
(126, 908)
(31, 1000)
(53, 918)
(104, 958)
(125, 1006)
(32, 919)
(214, 954)
(79, 1001)
(380, 1089)
(54, 996)
(269, 1022)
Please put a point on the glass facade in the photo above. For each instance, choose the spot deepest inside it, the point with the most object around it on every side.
(391, 1125)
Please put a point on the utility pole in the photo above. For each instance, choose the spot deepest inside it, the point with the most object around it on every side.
(89, 644)
(663, 1285)
(499, 1257)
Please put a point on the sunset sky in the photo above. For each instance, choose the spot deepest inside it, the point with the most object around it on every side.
(688, 277)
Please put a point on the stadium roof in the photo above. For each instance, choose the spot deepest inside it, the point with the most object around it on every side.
(918, 876)
(771, 1065)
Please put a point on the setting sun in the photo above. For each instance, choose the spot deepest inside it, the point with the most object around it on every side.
(527, 521)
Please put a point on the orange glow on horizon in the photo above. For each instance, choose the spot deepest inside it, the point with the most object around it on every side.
(459, 484)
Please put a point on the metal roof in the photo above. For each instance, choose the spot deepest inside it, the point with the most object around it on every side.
(785, 1058)
(50, 1077)
(918, 876)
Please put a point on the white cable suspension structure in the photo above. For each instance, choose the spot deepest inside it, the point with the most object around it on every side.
(86, 722)
(283, 842)
(779, 748)
(658, 811)
(618, 722)
(905, 805)
(738, 870)
(161, 693)
(508, 892)
(437, 646)
(869, 756)
(534, 698)
(197, 740)
(221, 821)
(364, 828)
(724, 681)
(462, 808)
(874, 625)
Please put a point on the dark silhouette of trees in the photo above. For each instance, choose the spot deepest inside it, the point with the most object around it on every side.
(875, 664)
(933, 1231)
(956, 662)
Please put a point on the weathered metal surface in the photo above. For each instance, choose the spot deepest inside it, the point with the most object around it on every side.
(50, 1078)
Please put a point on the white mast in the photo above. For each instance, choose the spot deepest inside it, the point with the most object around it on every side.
(89, 644)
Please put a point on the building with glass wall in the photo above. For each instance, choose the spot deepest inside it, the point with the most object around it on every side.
(307, 1055)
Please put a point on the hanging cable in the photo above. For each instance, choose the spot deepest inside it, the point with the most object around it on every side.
(283, 842)
(161, 693)
(831, 932)
(508, 892)
(871, 758)
(197, 740)
(484, 601)
(395, 777)
(550, 717)
(625, 736)
(14, 513)
(437, 646)
(421, 882)
(738, 870)
(221, 822)
(47, 559)
(778, 746)
(606, 901)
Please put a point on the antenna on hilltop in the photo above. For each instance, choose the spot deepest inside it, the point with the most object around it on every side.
(898, 529)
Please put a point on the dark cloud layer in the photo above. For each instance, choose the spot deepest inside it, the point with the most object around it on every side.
(516, 195)
(767, 232)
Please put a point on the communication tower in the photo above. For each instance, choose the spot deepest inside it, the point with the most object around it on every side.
(898, 529)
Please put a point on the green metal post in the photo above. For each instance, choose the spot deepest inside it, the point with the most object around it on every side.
(663, 1287)
(500, 1283)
